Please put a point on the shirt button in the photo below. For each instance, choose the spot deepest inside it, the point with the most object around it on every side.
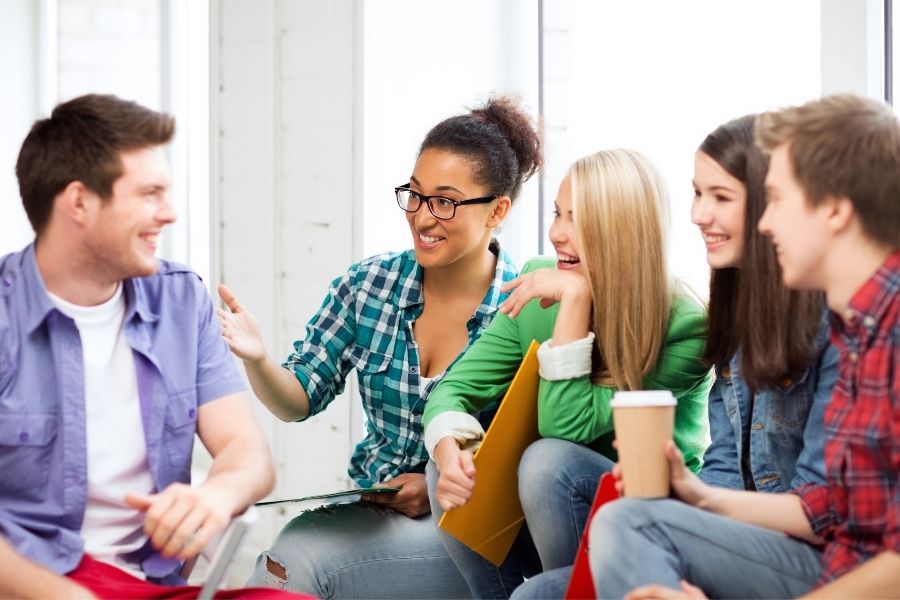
(854, 357)
(192, 413)
(7, 281)
(869, 321)
(757, 426)
(726, 372)
(23, 437)
(414, 370)
(787, 382)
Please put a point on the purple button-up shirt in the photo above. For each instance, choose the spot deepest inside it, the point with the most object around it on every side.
(181, 362)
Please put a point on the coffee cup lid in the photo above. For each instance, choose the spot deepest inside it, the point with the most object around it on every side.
(643, 398)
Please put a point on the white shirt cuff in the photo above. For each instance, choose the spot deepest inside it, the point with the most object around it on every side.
(567, 361)
(461, 426)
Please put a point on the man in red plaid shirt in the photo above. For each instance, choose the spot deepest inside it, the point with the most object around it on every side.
(834, 218)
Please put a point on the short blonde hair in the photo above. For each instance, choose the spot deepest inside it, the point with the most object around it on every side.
(621, 216)
(843, 146)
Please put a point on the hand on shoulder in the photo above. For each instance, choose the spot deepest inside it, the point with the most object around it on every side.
(550, 285)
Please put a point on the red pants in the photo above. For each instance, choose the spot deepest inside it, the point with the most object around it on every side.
(107, 581)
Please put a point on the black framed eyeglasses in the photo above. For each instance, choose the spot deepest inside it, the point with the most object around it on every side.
(439, 206)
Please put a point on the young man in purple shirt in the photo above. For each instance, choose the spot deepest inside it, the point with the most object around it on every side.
(833, 214)
(110, 361)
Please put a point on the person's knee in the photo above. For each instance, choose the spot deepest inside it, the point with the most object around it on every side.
(270, 572)
(607, 518)
(605, 532)
(624, 512)
(540, 463)
(298, 555)
(276, 568)
(615, 520)
(295, 535)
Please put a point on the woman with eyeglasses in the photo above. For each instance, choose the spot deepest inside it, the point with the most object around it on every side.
(400, 320)
(609, 317)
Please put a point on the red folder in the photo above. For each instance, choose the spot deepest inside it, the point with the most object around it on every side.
(581, 585)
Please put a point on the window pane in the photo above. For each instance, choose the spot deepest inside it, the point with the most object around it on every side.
(110, 47)
(423, 62)
(657, 76)
(895, 55)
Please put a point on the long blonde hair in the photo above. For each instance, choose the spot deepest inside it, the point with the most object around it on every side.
(621, 216)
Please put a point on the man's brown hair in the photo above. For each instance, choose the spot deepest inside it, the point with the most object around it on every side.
(843, 146)
(82, 141)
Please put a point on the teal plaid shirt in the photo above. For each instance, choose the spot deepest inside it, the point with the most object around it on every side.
(365, 323)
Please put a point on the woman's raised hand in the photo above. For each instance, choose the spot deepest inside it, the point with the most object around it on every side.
(239, 328)
(550, 285)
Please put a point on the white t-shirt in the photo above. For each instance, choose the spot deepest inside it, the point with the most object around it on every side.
(117, 453)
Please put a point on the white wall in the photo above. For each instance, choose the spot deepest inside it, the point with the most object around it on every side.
(18, 109)
(424, 62)
(284, 176)
(55, 50)
(622, 74)
(852, 47)
(111, 46)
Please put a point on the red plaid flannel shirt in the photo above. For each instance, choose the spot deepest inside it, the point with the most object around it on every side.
(857, 510)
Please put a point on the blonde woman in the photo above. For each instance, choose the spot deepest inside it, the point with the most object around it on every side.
(609, 317)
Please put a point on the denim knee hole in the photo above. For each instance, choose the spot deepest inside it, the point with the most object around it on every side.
(276, 573)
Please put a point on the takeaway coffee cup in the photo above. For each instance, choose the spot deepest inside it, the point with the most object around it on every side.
(643, 422)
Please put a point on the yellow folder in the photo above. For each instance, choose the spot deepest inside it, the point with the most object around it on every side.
(489, 522)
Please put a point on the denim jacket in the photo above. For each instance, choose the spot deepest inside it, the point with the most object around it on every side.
(787, 436)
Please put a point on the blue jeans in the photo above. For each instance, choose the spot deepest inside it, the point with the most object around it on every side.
(484, 579)
(359, 550)
(548, 585)
(639, 542)
(557, 483)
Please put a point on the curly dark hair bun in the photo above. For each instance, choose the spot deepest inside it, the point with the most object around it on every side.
(499, 138)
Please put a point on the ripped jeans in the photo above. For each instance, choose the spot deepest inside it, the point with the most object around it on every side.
(358, 550)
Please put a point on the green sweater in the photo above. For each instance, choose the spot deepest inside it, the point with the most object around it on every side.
(576, 409)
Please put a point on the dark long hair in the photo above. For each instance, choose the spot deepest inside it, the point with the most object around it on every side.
(749, 307)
